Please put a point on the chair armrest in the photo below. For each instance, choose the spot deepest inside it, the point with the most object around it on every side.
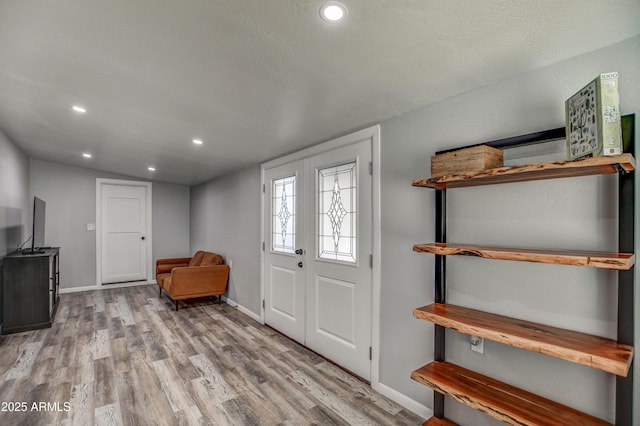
(164, 266)
(199, 280)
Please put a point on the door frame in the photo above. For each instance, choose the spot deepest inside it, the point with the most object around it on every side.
(100, 182)
(372, 133)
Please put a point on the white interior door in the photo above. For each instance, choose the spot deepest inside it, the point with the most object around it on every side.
(284, 280)
(123, 230)
(318, 237)
(338, 269)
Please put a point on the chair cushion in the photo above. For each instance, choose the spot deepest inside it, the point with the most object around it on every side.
(161, 278)
(211, 259)
(197, 258)
(166, 284)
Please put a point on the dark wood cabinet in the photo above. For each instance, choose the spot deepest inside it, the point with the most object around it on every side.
(31, 284)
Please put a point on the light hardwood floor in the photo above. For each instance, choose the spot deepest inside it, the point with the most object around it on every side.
(123, 356)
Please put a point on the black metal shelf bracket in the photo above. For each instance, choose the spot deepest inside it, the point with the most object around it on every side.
(440, 291)
(626, 279)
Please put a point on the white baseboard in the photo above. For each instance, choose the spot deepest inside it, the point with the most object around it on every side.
(242, 309)
(79, 289)
(104, 287)
(400, 398)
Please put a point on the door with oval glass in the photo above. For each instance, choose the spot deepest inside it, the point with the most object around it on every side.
(318, 223)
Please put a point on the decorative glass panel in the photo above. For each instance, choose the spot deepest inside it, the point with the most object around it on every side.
(283, 216)
(337, 213)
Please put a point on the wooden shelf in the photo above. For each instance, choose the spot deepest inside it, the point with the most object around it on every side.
(618, 261)
(592, 351)
(500, 400)
(434, 421)
(537, 171)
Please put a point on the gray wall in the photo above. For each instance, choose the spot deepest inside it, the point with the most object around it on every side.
(70, 194)
(225, 218)
(572, 213)
(575, 213)
(14, 201)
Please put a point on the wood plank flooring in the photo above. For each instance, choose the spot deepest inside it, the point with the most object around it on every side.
(124, 357)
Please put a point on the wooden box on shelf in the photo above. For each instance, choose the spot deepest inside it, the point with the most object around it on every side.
(473, 159)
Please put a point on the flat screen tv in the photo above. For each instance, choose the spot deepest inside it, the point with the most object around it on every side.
(37, 235)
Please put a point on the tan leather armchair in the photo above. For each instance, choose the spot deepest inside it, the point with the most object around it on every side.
(204, 274)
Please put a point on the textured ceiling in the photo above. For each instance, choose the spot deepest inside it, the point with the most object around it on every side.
(256, 79)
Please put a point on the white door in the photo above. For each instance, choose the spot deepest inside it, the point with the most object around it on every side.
(284, 280)
(338, 266)
(317, 275)
(123, 230)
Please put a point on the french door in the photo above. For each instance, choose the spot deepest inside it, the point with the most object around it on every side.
(317, 274)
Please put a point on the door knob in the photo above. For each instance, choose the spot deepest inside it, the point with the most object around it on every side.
(142, 238)
(299, 251)
(299, 264)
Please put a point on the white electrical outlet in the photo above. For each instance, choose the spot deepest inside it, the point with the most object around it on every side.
(477, 344)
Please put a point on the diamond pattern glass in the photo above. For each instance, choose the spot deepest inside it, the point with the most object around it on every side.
(337, 195)
(283, 215)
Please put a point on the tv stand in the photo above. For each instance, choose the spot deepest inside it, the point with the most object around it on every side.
(31, 284)
(31, 252)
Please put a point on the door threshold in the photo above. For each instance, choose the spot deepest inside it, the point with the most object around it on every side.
(127, 282)
(349, 372)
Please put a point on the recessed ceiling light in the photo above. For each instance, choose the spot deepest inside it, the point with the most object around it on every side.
(197, 141)
(333, 11)
(87, 155)
(79, 109)
(151, 169)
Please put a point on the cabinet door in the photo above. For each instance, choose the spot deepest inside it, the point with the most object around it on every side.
(26, 290)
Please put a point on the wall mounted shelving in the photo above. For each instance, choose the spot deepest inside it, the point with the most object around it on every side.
(501, 400)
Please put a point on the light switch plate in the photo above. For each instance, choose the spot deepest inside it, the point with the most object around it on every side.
(91, 226)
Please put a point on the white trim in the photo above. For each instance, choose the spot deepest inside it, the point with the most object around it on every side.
(372, 133)
(262, 241)
(376, 273)
(104, 287)
(400, 398)
(345, 140)
(242, 309)
(148, 237)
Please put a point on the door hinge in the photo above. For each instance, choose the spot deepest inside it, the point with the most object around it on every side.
(371, 167)
(371, 261)
(262, 303)
(264, 188)
(263, 246)
(370, 353)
